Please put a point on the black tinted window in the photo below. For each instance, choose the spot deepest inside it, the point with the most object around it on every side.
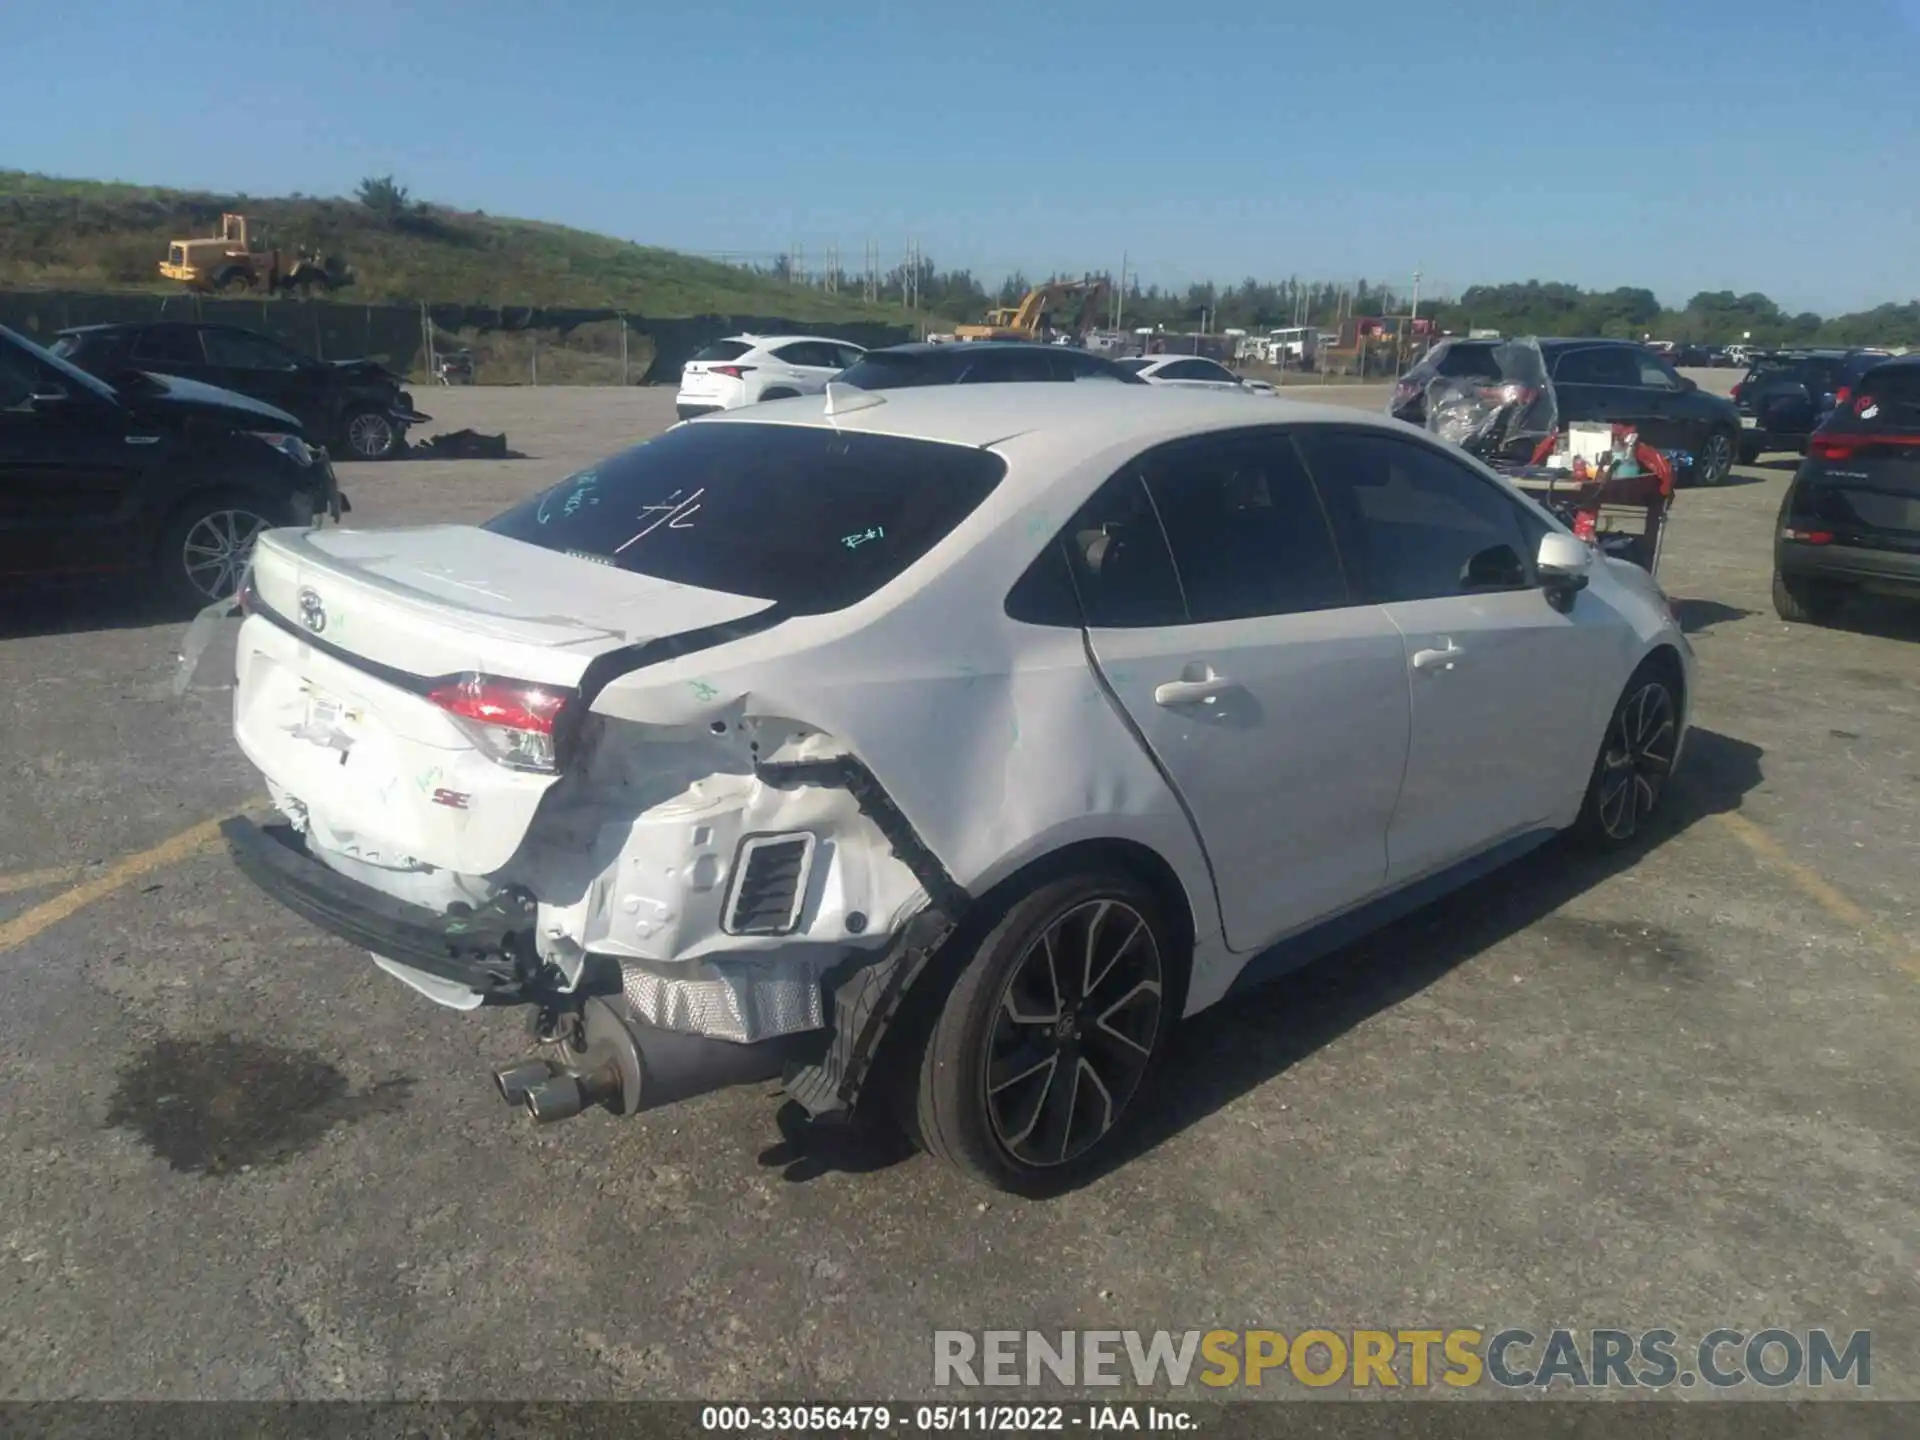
(169, 345)
(1247, 531)
(810, 518)
(1415, 524)
(721, 350)
(1134, 364)
(993, 367)
(1892, 392)
(241, 350)
(1600, 365)
(1118, 555)
(18, 378)
(810, 354)
(880, 370)
(1473, 361)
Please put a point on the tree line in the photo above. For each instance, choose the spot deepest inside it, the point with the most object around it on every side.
(1717, 317)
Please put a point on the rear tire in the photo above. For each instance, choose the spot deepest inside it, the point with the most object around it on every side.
(1806, 602)
(1715, 461)
(205, 547)
(1043, 1052)
(1631, 774)
(371, 434)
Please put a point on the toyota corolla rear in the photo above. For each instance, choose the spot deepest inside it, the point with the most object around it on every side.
(495, 776)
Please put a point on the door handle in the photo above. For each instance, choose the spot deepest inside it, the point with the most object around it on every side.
(1191, 692)
(1443, 658)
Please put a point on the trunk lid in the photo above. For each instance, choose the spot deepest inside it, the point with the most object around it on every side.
(350, 633)
(1867, 459)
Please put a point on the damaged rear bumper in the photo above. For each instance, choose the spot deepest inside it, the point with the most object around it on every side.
(489, 951)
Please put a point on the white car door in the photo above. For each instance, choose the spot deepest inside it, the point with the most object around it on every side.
(1503, 683)
(1220, 617)
(811, 364)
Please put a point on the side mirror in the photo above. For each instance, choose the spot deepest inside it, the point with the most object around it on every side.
(1563, 564)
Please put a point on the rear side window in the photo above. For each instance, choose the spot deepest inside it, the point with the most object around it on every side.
(1469, 361)
(810, 519)
(1417, 524)
(722, 350)
(1600, 365)
(1121, 567)
(810, 354)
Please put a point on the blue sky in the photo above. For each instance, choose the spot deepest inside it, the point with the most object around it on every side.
(1681, 144)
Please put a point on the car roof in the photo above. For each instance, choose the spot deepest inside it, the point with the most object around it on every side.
(965, 347)
(767, 342)
(1083, 418)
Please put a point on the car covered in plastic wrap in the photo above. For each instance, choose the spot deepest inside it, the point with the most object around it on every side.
(935, 751)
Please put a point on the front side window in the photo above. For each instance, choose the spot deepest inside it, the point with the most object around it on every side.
(806, 517)
(240, 350)
(1246, 529)
(169, 345)
(1414, 523)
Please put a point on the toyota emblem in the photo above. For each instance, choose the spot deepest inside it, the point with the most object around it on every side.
(313, 614)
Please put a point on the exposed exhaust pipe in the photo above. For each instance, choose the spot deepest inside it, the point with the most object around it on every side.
(515, 1081)
(626, 1065)
(566, 1095)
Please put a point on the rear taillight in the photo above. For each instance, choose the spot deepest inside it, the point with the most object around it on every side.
(1842, 395)
(732, 372)
(1842, 445)
(1738, 387)
(511, 721)
(1806, 537)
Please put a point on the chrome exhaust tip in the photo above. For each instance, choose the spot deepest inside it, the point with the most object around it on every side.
(565, 1095)
(515, 1081)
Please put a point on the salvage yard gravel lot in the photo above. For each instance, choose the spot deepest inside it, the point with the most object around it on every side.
(241, 1163)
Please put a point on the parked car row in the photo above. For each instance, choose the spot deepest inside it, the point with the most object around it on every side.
(159, 478)
(1596, 380)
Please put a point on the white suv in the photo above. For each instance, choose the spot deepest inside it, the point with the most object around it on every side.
(746, 369)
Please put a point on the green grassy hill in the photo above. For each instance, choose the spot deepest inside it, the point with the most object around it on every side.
(91, 235)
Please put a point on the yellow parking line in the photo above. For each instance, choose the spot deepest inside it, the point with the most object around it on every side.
(190, 841)
(1819, 890)
(37, 879)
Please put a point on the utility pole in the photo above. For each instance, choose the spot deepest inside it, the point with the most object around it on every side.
(832, 277)
(870, 263)
(1120, 294)
(1415, 313)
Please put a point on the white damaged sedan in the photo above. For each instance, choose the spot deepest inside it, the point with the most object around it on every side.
(937, 752)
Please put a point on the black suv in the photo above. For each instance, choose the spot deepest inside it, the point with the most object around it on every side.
(1785, 394)
(354, 407)
(979, 362)
(162, 479)
(1614, 381)
(1851, 517)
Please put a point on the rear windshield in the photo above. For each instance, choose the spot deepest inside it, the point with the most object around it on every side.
(1892, 393)
(878, 370)
(722, 350)
(1475, 361)
(809, 518)
(1134, 365)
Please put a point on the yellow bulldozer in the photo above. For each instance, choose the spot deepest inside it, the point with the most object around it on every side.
(1033, 317)
(239, 259)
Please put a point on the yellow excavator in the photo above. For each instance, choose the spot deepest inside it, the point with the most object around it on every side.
(1033, 317)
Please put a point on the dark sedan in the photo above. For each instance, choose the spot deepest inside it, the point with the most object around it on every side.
(354, 407)
(155, 479)
(1606, 381)
(979, 362)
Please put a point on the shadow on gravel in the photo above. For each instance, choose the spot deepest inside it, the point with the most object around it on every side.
(1698, 615)
(1237, 1046)
(218, 1105)
(80, 609)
